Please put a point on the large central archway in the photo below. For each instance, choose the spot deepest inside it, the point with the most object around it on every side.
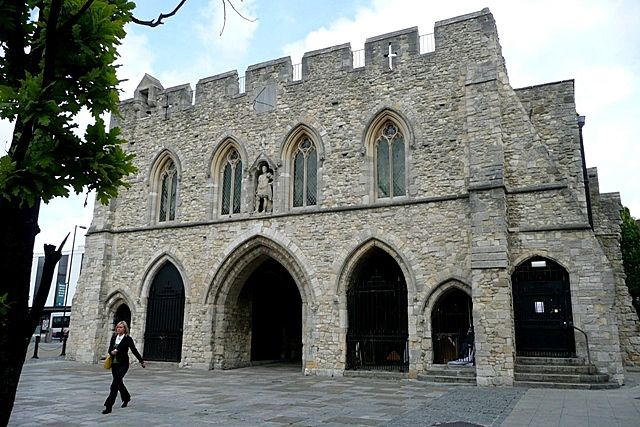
(261, 299)
(276, 314)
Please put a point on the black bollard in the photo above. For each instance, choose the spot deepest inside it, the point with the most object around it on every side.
(64, 346)
(35, 349)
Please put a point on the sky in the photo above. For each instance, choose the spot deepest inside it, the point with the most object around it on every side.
(594, 42)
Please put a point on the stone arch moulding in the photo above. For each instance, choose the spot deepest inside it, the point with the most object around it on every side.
(116, 298)
(215, 169)
(349, 260)
(152, 180)
(527, 255)
(220, 149)
(243, 251)
(262, 158)
(292, 137)
(159, 160)
(442, 288)
(152, 269)
(372, 133)
(286, 162)
(376, 120)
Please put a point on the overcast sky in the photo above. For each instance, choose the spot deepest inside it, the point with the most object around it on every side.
(596, 43)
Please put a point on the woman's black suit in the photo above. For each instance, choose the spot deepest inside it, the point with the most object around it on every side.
(119, 367)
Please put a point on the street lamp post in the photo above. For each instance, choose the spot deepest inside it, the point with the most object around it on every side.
(66, 290)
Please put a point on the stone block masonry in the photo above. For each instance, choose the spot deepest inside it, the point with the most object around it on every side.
(431, 161)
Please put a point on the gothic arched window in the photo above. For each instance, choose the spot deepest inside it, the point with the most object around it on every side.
(231, 184)
(390, 162)
(305, 174)
(168, 192)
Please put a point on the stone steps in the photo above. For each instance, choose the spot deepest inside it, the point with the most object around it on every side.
(377, 374)
(561, 378)
(448, 374)
(554, 372)
(551, 361)
(556, 369)
(577, 386)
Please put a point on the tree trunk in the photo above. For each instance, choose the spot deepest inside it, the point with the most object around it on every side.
(18, 228)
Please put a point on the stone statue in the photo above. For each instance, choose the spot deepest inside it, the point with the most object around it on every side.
(264, 191)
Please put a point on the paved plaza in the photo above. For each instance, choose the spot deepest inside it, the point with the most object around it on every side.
(56, 392)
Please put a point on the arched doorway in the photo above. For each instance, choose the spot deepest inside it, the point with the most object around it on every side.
(377, 310)
(123, 312)
(272, 298)
(451, 327)
(165, 315)
(542, 309)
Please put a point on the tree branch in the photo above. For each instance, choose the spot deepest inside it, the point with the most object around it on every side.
(158, 21)
(224, 13)
(15, 51)
(27, 129)
(74, 18)
(51, 258)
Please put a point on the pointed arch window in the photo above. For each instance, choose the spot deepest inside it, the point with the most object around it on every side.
(390, 162)
(231, 184)
(168, 192)
(305, 174)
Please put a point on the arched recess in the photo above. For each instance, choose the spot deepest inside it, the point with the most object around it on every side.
(259, 270)
(264, 177)
(449, 308)
(228, 179)
(386, 141)
(164, 187)
(165, 315)
(122, 314)
(543, 315)
(119, 307)
(375, 288)
(366, 244)
(302, 156)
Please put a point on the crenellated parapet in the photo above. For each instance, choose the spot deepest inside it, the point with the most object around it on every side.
(209, 88)
(385, 51)
(319, 64)
(462, 39)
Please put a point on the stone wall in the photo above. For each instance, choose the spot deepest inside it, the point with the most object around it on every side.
(606, 217)
(489, 169)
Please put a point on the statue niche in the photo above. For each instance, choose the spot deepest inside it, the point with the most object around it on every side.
(264, 190)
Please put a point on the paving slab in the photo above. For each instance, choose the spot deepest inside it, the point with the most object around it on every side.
(57, 392)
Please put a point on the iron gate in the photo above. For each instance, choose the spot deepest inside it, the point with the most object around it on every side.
(542, 310)
(165, 312)
(450, 324)
(377, 307)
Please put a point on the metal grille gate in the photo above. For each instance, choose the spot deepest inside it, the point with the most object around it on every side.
(377, 307)
(542, 310)
(450, 325)
(165, 312)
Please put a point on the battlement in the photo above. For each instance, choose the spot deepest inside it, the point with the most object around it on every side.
(466, 37)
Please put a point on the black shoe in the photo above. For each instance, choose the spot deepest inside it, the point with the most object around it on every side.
(106, 411)
(125, 403)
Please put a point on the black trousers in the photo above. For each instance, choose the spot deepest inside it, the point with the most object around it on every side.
(118, 372)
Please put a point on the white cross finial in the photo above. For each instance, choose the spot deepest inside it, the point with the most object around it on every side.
(390, 55)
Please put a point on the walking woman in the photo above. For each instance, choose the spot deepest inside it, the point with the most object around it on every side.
(119, 347)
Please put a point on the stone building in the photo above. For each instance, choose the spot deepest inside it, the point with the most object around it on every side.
(372, 216)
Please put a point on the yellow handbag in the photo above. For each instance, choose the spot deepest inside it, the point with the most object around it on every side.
(107, 362)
